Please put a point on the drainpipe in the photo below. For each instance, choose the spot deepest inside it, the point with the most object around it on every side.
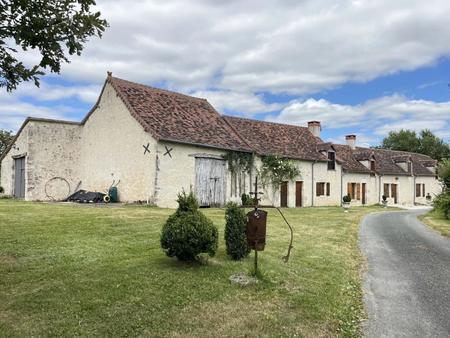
(379, 187)
(312, 182)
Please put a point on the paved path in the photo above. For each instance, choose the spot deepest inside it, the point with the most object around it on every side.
(407, 286)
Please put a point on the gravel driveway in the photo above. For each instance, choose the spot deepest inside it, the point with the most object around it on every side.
(407, 285)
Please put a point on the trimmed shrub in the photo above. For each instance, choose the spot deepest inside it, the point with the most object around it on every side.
(246, 200)
(2, 190)
(346, 199)
(188, 232)
(235, 238)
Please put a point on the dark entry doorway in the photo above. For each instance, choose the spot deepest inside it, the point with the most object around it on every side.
(298, 193)
(19, 177)
(284, 194)
(394, 192)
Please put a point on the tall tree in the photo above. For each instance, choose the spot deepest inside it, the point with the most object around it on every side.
(6, 138)
(405, 140)
(55, 28)
(425, 143)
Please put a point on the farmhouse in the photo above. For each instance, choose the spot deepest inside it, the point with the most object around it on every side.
(152, 143)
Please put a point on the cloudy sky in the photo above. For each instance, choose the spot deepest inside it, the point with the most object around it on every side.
(362, 66)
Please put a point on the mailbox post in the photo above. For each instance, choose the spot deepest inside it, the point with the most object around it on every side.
(256, 226)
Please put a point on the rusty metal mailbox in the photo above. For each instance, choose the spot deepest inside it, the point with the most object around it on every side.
(256, 229)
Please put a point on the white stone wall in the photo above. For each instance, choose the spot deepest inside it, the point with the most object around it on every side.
(112, 149)
(178, 172)
(309, 198)
(432, 186)
(371, 187)
(51, 163)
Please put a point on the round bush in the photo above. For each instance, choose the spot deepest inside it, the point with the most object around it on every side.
(235, 238)
(188, 233)
(2, 190)
(346, 199)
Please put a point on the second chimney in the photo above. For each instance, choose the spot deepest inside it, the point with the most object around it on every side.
(314, 128)
(351, 141)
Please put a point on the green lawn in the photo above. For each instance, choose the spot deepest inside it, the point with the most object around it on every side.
(437, 221)
(70, 270)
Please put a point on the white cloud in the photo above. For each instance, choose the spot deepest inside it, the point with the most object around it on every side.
(253, 46)
(48, 92)
(378, 116)
(247, 104)
(14, 112)
(331, 115)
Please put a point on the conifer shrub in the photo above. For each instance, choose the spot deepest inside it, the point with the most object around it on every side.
(235, 238)
(188, 232)
(246, 200)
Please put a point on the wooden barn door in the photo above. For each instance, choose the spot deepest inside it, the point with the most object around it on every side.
(284, 194)
(19, 177)
(298, 193)
(210, 182)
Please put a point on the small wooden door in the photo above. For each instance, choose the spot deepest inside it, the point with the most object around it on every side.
(19, 177)
(394, 192)
(284, 194)
(210, 182)
(363, 192)
(298, 193)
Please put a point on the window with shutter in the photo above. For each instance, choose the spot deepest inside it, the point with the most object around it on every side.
(372, 165)
(328, 189)
(423, 190)
(418, 190)
(320, 189)
(358, 191)
(350, 190)
(386, 190)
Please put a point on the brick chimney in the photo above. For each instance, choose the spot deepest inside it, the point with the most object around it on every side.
(351, 141)
(314, 128)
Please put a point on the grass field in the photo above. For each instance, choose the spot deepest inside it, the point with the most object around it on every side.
(69, 270)
(437, 221)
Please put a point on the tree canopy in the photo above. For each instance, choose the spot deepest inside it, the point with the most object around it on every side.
(423, 143)
(55, 28)
(6, 138)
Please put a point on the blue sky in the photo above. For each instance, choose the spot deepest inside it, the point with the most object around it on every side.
(357, 66)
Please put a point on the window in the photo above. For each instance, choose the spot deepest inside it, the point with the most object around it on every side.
(331, 160)
(418, 186)
(372, 165)
(354, 190)
(386, 190)
(322, 189)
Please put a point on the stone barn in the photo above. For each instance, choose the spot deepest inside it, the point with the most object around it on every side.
(152, 143)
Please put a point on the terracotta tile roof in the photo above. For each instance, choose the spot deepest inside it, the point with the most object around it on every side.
(385, 160)
(176, 117)
(268, 138)
(344, 156)
(180, 118)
